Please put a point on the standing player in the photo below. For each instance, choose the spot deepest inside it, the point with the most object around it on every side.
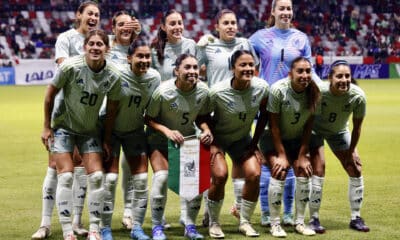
(126, 29)
(235, 103)
(340, 99)
(170, 44)
(69, 43)
(166, 48)
(138, 82)
(277, 46)
(174, 108)
(215, 54)
(85, 80)
(292, 104)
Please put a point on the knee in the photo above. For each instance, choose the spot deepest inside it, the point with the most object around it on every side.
(220, 178)
(95, 179)
(65, 179)
(319, 170)
(253, 177)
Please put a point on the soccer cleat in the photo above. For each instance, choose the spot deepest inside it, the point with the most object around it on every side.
(42, 233)
(316, 226)
(277, 231)
(359, 225)
(158, 233)
(106, 233)
(235, 212)
(191, 232)
(287, 219)
(79, 230)
(70, 236)
(215, 231)
(265, 219)
(127, 222)
(94, 235)
(206, 220)
(137, 233)
(248, 230)
(304, 230)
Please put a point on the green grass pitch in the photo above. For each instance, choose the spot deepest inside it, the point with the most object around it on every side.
(24, 162)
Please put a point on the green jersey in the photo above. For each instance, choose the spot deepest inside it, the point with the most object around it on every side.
(118, 53)
(336, 110)
(235, 110)
(215, 55)
(83, 94)
(135, 96)
(171, 53)
(69, 44)
(176, 109)
(291, 107)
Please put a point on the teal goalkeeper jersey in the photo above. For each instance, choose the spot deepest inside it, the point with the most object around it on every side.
(171, 53)
(83, 94)
(135, 96)
(234, 110)
(216, 54)
(176, 109)
(291, 107)
(336, 110)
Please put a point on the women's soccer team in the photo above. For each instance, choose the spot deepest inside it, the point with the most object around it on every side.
(117, 92)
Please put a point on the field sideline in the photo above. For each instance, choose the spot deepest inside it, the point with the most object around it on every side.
(24, 162)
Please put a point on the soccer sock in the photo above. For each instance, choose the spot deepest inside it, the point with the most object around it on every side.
(356, 194)
(139, 201)
(246, 211)
(49, 195)
(110, 185)
(264, 183)
(64, 201)
(193, 207)
(316, 195)
(214, 210)
(183, 210)
(95, 199)
(289, 191)
(238, 184)
(126, 185)
(303, 187)
(205, 199)
(158, 196)
(275, 190)
(79, 186)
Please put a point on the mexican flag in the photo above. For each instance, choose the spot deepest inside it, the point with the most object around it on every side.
(189, 168)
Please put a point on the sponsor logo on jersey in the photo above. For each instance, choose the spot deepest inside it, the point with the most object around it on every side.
(231, 104)
(79, 81)
(346, 108)
(124, 84)
(218, 50)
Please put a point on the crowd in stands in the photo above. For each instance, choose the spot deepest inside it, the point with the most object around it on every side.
(29, 28)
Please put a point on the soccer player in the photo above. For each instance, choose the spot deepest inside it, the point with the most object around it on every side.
(292, 104)
(174, 108)
(166, 48)
(68, 44)
(214, 53)
(138, 83)
(235, 102)
(170, 44)
(85, 80)
(277, 46)
(126, 29)
(340, 99)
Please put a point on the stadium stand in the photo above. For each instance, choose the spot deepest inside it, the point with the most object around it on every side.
(29, 28)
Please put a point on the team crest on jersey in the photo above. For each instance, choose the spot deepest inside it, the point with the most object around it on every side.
(106, 85)
(346, 108)
(79, 81)
(297, 43)
(173, 106)
(124, 84)
(114, 57)
(286, 103)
